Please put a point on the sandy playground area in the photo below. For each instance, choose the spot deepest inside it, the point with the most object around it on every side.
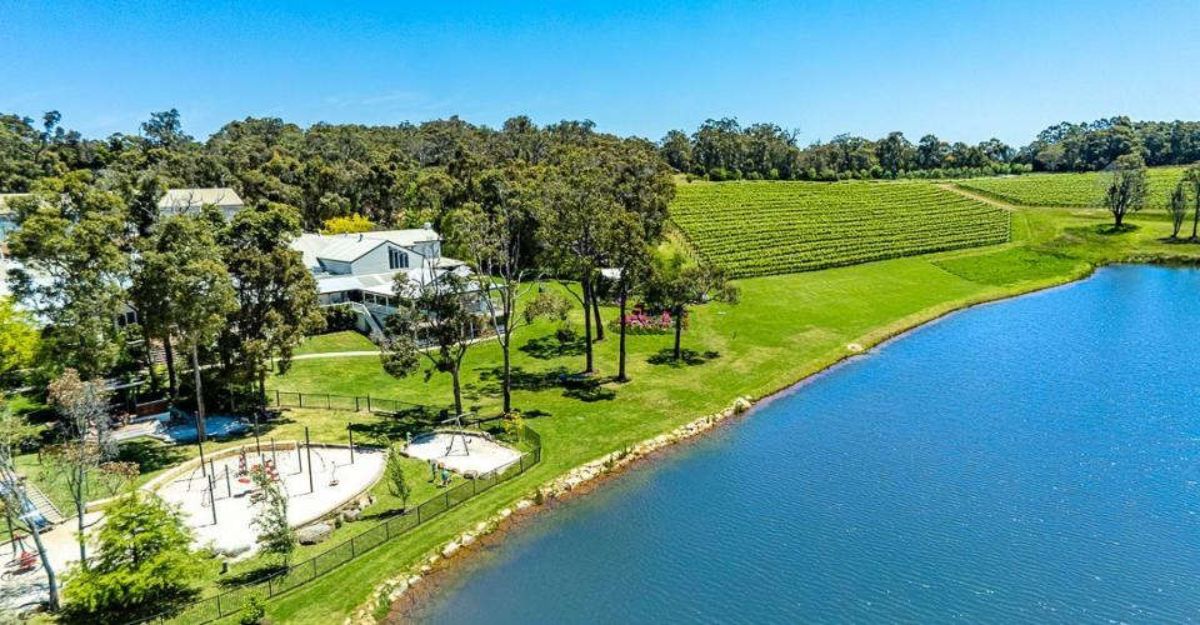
(468, 453)
(335, 480)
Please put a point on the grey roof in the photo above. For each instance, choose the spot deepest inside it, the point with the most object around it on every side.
(350, 247)
(183, 199)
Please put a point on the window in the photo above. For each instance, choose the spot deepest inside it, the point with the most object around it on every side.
(397, 259)
(126, 318)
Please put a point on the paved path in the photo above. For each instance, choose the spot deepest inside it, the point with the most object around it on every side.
(336, 355)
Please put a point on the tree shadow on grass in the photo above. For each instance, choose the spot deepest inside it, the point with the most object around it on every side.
(689, 358)
(149, 455)
(253, 575)
(548, 347)
(393, 426)
(1110, 230)
(575, 386)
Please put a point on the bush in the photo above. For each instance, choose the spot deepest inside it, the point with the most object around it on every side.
(253, 612)
(340, 319)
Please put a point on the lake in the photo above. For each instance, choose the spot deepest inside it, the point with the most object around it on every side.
(1034, 460)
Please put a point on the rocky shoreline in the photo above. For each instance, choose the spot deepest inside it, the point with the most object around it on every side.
(572, 482)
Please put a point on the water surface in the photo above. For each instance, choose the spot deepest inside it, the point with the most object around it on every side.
(1034, 460)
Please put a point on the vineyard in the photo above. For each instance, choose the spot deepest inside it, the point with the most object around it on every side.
(1068, 189)
(764, 228)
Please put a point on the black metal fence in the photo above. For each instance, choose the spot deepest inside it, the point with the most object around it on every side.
(230, 602)
(351, 403)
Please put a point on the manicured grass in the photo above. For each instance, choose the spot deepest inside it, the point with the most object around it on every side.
(335, 342)
(764, 228)
(1084, 189)
(785, 328)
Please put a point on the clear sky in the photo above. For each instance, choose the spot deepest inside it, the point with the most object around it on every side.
(963, 70)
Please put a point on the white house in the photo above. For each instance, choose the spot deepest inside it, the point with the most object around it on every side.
(177, 201)
(358, 270)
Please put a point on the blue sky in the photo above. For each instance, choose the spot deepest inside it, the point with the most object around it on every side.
(963, 70)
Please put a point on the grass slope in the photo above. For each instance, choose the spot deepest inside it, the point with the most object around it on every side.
(1086, 189)
(786, 328)
(766, 228)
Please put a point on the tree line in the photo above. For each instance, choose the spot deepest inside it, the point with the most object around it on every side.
(722, 149)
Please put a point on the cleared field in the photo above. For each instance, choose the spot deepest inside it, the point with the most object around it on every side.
(763, 228)
(1084, 190)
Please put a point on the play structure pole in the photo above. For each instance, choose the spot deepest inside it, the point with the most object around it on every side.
(212, 499)
(299, 457)
(257, 446)
(200, 444)
(350, 430)
(228, 484)
(274, 460)
(308, 450)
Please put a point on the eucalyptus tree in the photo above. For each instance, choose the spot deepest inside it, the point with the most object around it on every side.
(579, 206)
(275, 293)
(496, 237)
(1177, 208)
(436, 318)
(180, 264)
(675, 285)
(72, 248)
(629, 261)
(15, 431)
(1127, 188)
(1191, 177)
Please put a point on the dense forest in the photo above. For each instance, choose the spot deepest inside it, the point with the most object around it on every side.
(395, 176)
(724, 150)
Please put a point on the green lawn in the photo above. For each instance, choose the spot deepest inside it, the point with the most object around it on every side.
(785, 328)
(335, 342)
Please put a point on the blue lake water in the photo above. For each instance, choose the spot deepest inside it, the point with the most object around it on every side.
(1031, 461)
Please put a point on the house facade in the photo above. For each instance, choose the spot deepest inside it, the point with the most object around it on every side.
(358, 271)
(177, 201)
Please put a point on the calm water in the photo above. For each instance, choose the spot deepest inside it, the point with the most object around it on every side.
(1035, 460)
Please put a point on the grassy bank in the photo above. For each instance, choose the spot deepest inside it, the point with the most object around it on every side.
(786, 328)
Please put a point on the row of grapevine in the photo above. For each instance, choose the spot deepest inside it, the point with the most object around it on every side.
(1081, 190)
(763, 228)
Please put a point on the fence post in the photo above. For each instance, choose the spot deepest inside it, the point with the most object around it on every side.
(277, 402)
(314, 568)
(219, 612)
(368, 402)
(356, 403)
(300, 399)
(328, 406)
(353, 553)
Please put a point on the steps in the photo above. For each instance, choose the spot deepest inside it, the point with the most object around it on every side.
(43, 504)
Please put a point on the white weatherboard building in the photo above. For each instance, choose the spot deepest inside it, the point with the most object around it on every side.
(358, 270)
(177, 201)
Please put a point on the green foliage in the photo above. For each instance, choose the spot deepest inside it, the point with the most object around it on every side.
(18, 338)
(72, 246)
(142, 565)
(275, 536)
(347, 225)
(762, 228)
(397, 481)
(254, 611)
(1127, 188)
(1069, 189)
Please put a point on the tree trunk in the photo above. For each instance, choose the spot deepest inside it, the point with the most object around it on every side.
(596, 312)
(458, 409)
(169, 352)
(1195, 221)
(621, 377)
(678, 333)
(262, 388)
(80, 508)
(155, 382)
(200, 430)
(506, 382)
(51, 580)
(1118, 216)
(587, 325)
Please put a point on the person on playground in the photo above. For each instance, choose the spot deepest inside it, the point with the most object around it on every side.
(432, 471)
(445, 477)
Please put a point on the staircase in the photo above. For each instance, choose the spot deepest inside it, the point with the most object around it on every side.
(43, 504)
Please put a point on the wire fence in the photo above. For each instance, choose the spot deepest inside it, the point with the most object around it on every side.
(230, 602)
(350, 403)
